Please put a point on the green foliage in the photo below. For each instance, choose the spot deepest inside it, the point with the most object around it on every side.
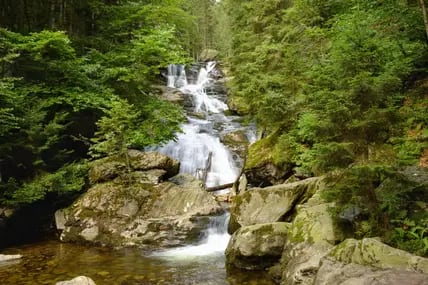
(124, 126)
(69, 178)
(411, 236)
(56, 85)
(331, 75)
(386, 200)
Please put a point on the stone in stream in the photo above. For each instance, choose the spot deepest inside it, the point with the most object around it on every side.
(258, 246)
(270, 204)
(138, 208)
(80, 280)
(9, 257)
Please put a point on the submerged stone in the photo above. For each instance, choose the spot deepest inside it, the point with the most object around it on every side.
(80, 280)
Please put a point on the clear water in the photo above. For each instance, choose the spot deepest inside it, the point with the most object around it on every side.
(51, 261)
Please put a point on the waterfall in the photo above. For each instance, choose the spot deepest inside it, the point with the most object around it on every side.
(176, 75)
(199, 140)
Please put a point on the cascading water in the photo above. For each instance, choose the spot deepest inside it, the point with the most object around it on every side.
(200, 138)
(176, 76)
(198, 143)
(198, 264)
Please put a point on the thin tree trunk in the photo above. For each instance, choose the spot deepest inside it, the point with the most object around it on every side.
(424, 12)
(207, 169)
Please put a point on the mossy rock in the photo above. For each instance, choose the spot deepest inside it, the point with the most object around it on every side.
(265, 166)
(238, 105)
(270, 204)
(374, 253)
(128, 212)
(108, 168)
(237, 141)
(257, 247)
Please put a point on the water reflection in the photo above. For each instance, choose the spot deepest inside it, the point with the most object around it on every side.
(51, 261)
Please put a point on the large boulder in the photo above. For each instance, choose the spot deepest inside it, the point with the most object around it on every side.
(270, 204)
(372, 252)
(108, 168)
(332, 272)
(138, 209)
(369, 261)
(265, 166)
(314, 223)
(313, 232)
(300, 262)
(257, 246)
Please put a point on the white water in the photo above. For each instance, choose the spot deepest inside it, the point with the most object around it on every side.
(193, 147)
(176, 76)
(198, 140)
(214, 242)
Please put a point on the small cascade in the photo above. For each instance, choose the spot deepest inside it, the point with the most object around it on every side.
(199, 143)
(176, 76)
(215, 241)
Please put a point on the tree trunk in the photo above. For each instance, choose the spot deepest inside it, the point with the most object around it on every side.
(424, 12)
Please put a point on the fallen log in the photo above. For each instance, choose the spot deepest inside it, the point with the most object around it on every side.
(219, 187)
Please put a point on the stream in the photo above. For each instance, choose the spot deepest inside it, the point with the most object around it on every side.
(50, 261)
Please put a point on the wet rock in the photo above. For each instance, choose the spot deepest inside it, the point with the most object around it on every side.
(172, 95)
(270, 204)
(80, 280)
(236, 141)
(258, 246)
(116, 213)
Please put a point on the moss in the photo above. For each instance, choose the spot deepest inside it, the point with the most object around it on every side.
(296, 233)
(239, 105)
(259, 153)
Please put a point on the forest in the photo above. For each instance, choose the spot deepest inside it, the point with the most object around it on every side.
(336, 88)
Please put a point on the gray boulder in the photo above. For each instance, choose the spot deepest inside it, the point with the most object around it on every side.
(270, 204)
(257, 246)
(136, 209)
(156, 167)
(313, 232)
(374, 253)
(369, 261)
(332, 272)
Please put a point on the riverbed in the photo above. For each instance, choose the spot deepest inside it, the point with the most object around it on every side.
(50, 261)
